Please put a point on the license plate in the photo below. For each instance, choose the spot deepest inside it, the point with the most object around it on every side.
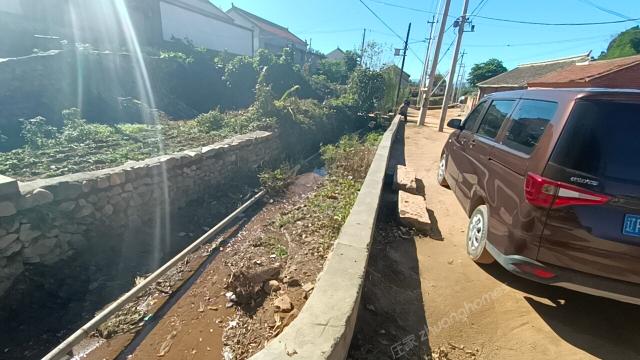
(631, 225)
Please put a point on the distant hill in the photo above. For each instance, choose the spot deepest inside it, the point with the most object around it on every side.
(627, 43)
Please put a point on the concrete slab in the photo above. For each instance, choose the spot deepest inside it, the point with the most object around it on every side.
(8, 187)
(412, 210)
(405, 180)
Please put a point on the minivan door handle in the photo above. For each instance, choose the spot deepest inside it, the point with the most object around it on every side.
(472, 142)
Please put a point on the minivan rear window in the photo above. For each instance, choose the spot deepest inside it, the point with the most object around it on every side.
(528, 123)
(600, 139)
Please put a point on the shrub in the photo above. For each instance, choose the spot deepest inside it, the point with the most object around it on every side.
(77, 130)
(242, 78)
(37, 132)
(350, 158)
(366, 90)
(276, 181)
(214, 120)
(263, 59)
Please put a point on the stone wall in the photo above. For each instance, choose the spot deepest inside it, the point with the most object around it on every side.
(47, 220)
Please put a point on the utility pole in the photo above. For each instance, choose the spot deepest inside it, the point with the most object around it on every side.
(461, 73)
(445, 104)
(364, 36)
(434, 64)
(404, 56)
(425, 69)
(457, 81)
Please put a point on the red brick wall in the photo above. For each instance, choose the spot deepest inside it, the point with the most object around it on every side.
(628, 78)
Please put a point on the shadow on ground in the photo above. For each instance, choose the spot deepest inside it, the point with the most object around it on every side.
(391, 320)
(606, 329)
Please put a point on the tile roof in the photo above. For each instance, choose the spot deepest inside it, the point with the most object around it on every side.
(270, 27)
(522, 74)
(587, 71)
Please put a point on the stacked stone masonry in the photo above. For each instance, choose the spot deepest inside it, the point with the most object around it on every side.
(47, 220)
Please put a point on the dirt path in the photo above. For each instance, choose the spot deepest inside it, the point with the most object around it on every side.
(475, 312)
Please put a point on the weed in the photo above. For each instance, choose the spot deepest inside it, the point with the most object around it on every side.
(280, 251)
(276, 181)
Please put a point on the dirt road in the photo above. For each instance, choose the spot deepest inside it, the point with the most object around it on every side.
(485, 312)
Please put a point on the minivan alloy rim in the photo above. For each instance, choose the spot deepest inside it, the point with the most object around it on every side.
(476, 227)
(442, 167)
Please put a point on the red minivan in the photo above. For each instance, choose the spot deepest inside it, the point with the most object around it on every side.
(550, 179)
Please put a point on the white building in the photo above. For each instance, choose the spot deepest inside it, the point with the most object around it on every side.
(269, 35)
(205, 25)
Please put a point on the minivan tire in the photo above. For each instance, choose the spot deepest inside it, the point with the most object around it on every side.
(442, 169)
(477, 236)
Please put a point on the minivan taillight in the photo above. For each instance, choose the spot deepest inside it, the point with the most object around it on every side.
(542, 192)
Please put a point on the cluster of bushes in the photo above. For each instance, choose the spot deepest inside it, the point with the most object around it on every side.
(269, 93)
(203, 80)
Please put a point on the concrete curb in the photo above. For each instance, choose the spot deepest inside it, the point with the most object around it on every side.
(324, 328)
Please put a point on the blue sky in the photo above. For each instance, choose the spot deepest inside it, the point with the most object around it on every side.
(331, 23)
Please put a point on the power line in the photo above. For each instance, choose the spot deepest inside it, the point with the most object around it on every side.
(408, 8)
(478, 7)
(447, 50)
(555, 24)
(539, 43)
(391, 29)
(508, 20)
(382, 21)
(329, 31)
(601, 8)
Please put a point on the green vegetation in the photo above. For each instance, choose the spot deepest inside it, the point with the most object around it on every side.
(310, 110)
(276, 181)
(321, 215)
(339, 71)
(391, 75)
(485, 70)
(627, 43)
(347, 164)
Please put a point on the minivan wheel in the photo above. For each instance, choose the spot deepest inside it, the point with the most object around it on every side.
(477, 236)
(442, 168)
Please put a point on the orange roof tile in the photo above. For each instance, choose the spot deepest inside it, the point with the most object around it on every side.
(584, 72)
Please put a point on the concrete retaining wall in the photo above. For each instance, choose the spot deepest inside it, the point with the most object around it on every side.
(324, 328)
(47, 220)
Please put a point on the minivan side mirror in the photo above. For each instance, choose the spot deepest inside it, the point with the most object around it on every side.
(455, 124)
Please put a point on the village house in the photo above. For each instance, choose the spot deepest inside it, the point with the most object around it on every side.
(616, 73)
(336, 55)
(206, 26)
(34, 24)
(268, 35)
(519, 77)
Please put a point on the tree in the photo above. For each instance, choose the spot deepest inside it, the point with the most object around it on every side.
(372, 57)
(351, 60)
(334, 71)
(485, 70)
(366, 89)
(627, 43)
(391, 74)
